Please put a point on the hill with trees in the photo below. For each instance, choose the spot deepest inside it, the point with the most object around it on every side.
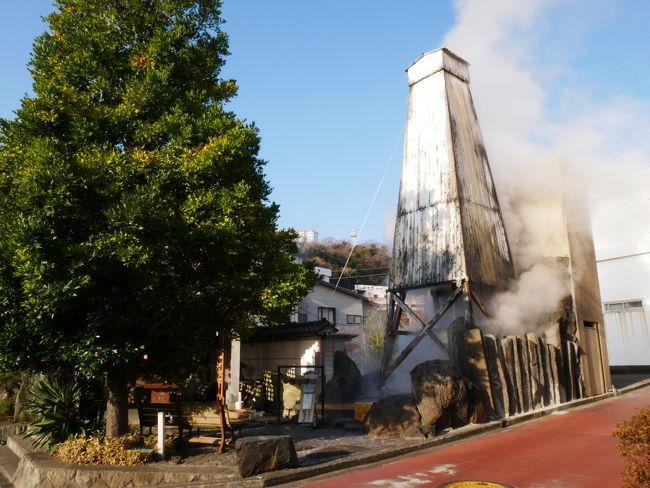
(368, 264)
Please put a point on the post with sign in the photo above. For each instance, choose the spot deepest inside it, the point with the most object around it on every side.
(308, 393)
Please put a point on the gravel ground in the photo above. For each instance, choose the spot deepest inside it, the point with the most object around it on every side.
(334, 440)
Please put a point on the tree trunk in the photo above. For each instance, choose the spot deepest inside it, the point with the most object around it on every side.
(117, 403)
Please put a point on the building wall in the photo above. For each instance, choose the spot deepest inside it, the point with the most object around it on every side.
(624, 273)
(323, 296)
(267, 356)
(585, 291)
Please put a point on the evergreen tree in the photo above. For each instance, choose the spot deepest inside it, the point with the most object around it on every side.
(134, 210)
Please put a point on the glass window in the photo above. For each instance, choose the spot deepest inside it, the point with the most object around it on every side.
(622, 306)
(327, 313)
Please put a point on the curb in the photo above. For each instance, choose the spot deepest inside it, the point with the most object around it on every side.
(282, 477)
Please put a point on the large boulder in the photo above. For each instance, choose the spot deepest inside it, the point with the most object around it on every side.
(440, 395)
(394, 416)
(265, 453)
(346, 382)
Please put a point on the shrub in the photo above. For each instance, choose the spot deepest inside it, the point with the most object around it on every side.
(634, 445)
(121, 450)
(55, 409)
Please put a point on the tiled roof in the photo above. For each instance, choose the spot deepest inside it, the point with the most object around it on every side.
(294, 330)
(342, 290)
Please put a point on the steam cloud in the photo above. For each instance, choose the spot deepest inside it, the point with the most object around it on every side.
(598, 150)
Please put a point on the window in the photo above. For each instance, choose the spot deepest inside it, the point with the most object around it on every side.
(623, 306)
(327, 313)
(354, 319)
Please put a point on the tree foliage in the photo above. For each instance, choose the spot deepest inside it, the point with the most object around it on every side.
(634, 445)
(134, 208)
(369, 263)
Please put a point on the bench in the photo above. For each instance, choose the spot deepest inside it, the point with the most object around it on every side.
(148, 416)
(189, 416)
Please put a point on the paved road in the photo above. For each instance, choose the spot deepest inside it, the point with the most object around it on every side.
(565, 450)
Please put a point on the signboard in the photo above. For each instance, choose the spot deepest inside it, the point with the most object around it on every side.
(308, 392)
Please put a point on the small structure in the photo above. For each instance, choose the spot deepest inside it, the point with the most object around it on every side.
(301, 344)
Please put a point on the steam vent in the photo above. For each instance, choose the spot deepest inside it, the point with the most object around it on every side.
(451, 256)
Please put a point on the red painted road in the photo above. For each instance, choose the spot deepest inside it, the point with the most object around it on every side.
(564, 450)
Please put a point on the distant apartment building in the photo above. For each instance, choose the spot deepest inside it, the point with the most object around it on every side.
(307, 236)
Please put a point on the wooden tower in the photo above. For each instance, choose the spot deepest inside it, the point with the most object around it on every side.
(450, 240)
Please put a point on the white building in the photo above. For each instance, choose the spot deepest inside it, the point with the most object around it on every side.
(307, 236)
(622, 235)
(328, 319)
(340, 307)
(624, 275)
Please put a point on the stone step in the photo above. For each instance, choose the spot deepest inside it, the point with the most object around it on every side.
(19, 445)
(8, 466)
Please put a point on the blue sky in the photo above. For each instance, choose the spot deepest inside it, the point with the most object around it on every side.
(325, 84)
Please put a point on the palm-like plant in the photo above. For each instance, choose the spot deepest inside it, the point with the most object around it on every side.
(54, 408)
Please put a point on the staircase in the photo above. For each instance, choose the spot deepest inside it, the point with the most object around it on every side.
(8, 466)
(10, 456)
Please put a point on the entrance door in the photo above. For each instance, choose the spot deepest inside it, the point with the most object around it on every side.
(592, 363)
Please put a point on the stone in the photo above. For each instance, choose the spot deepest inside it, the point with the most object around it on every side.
(522, 349)
(511, 353)
(27, 381)
(455, 333)
(477, 415)
(392, 416)
(534, 361)
(545, 375)
(568, 371)
(553, 378)
(415, 432)
(576, 370)
(440, 395)
(260, 454)
(38, 470)
(497, 378)
(476, 369)
(511, 403)
(576, 356)
(563, 395)
(346, 382)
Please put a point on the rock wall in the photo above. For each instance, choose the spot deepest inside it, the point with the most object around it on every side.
(526, 373)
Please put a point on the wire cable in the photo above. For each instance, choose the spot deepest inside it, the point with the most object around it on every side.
(372, 203)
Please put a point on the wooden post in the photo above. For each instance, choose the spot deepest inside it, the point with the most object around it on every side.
(221, 380)
(390, 336)
(469, 313)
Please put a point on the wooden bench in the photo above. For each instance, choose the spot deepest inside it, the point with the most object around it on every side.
(189, 416)
(148, 416)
